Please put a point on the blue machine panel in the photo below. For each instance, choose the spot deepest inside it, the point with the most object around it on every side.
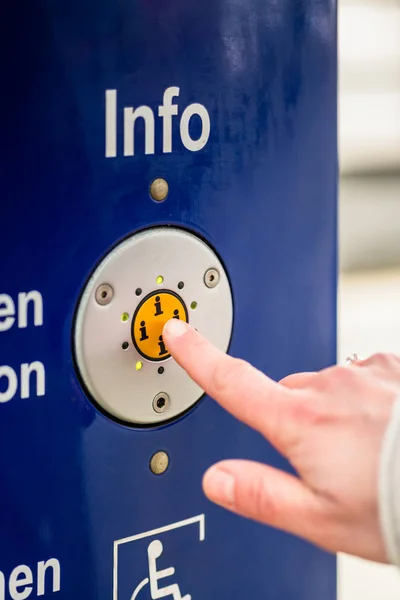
(81, 514)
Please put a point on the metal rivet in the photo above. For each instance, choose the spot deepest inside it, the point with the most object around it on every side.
(159, 189)
(104, 294)
(161, 402)
(159, 463)
(211, 278)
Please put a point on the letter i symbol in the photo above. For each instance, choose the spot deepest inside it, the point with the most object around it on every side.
(161, 344)
(158, 306)
(143, 331)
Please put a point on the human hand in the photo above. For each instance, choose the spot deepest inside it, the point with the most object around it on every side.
(329, 425)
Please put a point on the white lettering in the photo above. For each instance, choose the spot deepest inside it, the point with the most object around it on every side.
(56, 570)
(12, 383)
(166, 111)
(7, 312)
(15, 582)
(188, 113)
(130, 116)
(23, 302)
(2, 586)
(26, 370)
(23, 580)
(25, 299)
(111, 123)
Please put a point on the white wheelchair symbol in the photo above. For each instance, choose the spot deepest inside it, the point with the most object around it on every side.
(154, 585)
(154, 551)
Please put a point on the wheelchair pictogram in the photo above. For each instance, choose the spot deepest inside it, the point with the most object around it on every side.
(154, 551)
(147, 566)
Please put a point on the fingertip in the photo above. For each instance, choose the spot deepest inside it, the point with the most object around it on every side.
(174, 329)
(219, 486)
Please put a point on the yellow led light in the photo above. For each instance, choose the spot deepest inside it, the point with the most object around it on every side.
(160, 279)
(139, 366)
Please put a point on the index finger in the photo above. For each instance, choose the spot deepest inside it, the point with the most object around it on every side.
(241, 389)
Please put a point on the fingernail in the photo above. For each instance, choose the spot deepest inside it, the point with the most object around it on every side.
(175, 328)
(219, 486)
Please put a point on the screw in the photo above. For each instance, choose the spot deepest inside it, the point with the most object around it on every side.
(211, 278)
(104, 294)
(159, 189)
(161, 402)
(159, 463)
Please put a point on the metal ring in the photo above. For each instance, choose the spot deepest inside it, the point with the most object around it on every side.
(350, 360)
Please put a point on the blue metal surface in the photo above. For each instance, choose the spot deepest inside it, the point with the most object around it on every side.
(262, 192)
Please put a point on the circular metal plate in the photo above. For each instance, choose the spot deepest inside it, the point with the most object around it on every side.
(115, 373)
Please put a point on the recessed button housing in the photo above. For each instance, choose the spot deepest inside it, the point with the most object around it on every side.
(121, 357)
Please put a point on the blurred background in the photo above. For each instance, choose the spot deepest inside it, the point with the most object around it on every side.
(369, 217)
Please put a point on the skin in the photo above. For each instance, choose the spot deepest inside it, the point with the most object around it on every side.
(330, 425)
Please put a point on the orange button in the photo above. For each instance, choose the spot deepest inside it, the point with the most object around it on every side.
(149, 320)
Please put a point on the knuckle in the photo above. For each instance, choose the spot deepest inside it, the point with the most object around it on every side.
(378, 358)
(382, 359)
(324, 379)
(303, 410)
(228, 371)
(298, 380)
(333, 377)
(394, 358)
(308, 411)
(263, 504)
(344, 374)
